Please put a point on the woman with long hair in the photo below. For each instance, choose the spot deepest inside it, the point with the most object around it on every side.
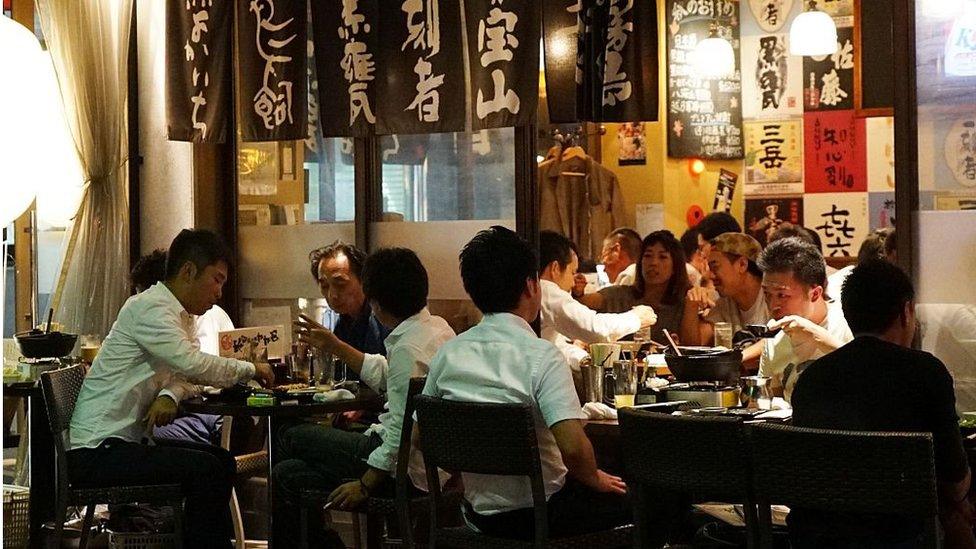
(662, 282)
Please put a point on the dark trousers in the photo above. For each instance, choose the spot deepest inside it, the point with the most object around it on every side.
(315, 457)
(206, 474)
(573, 510)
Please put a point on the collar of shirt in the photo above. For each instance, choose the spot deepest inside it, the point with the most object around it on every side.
(506, 321)
(420, 318)
(161, 293)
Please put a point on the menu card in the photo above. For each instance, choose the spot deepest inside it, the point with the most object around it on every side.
(704, 115)
(238, 343)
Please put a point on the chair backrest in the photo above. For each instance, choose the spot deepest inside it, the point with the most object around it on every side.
(481, 438)
(403, 452)
(706, 456)
(845, 471)
(61, 389)
(703, 458)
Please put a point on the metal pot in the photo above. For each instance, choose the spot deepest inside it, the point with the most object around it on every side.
(705, 364)
(37, 344)
(755, 392)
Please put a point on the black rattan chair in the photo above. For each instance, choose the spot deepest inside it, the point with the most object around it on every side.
(61, 388)
(492, 439)
(700, 458)
(378, 510)
(846, 472)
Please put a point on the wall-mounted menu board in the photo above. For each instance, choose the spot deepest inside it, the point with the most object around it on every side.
(704, 115)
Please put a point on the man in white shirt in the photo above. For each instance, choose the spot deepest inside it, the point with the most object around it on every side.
(315, 456)
(563, 318)
(146, 365)
(738, 280)
(501, 360)
(621, 250)
(794, 280)
(198, 428)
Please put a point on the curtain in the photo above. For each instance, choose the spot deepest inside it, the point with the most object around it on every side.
(88, 41)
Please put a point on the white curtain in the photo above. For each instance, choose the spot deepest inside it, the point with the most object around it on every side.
(88, 41)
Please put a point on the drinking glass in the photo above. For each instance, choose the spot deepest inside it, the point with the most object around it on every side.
(90, 344)
(325, 364)
(624, 383)
(723, 335)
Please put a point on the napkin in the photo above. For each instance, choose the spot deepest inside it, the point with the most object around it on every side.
(598, 410)
(333, 396)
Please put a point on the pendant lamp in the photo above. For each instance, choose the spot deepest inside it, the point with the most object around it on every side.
(714, 56)
(813, 33)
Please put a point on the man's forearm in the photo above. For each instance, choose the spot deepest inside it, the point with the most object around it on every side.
(350, 355)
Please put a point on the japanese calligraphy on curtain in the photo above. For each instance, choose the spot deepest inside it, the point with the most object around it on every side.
(198, 54)
(503, 57)
(560, 28)
(345, 35)
(421, 86)
(272, 60)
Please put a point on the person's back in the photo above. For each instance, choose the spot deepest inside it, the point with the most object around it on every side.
(877, 383)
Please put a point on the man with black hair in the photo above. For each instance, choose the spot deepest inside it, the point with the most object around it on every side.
(144, 368)
(877, 382)
(794, 283)
(621, 250)
(200, 428)
(712, 225)
(738, 280)
(313, 456)
(563, 317)
(500, 360)
(338, 269)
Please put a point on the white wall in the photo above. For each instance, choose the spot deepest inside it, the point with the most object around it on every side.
(166, 178)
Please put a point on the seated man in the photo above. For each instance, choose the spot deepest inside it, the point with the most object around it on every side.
(563, 317)
(199, 428)
(142, 370)
(501, 360)
(738, 280)
(878, 383)
(621, 250)
(794, 281)
(320, 457)
(338, 268)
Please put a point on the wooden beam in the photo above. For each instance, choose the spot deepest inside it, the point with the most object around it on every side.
(906, 136)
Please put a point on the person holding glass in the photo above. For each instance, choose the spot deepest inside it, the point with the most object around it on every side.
(320, 457)
(564, 319)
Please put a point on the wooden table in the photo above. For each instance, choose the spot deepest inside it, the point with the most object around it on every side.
(366, 400)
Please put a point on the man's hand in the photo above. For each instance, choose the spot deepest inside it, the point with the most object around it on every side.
(579, 285)
(263, 374)
(348, 496)
(807, 338)
(316, 335)
(699, 298)
(162, 412)
(609, 483)
(646, 314)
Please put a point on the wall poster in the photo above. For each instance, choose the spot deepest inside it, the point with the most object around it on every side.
(774, 157)
(772, 79)
(704, 115)
(880, 154)
(834, 157)
(841, 220)
(841, 10)
(960, 151)
(764, 215)
(771, 14)
(631, 143)
(881, 211)
(828, 81)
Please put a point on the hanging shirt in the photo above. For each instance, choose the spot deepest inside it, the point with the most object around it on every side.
(563, 318)
(584, 208)
(151, 350)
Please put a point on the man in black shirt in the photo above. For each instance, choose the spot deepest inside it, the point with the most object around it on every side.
(878, 383)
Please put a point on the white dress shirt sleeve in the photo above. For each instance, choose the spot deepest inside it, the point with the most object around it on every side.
(374, 372)
(577, 321)
(179, 389)
(404, 361)
(571, 352)
(159, 332)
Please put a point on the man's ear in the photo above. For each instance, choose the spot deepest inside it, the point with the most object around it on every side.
(188, 271)
(816, 294)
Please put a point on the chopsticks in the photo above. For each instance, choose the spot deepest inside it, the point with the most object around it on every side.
(674, 345)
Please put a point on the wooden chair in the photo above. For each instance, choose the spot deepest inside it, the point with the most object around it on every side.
(704, 458)
(846, 472)
(60, 389)
(378, 510)
(491, 439)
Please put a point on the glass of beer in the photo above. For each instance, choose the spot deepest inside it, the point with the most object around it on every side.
(90, 344)
(624, 383)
